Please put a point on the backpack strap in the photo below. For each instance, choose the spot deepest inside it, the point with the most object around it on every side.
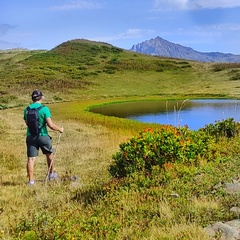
(38, 109)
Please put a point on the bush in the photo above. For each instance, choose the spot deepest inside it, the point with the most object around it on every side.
(163, 145)
(225, 128)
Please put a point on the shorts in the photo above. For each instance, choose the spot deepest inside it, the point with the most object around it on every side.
(36, 142)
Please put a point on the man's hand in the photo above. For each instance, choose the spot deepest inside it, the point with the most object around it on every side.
(61, 129)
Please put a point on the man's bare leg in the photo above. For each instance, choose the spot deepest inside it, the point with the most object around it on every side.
(49, 162)
(30, 167)
(52, 175)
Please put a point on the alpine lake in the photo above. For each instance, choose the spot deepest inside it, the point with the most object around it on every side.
(193, 113)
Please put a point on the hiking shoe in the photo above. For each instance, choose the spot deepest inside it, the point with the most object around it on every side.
(52, 176)
(31, 183)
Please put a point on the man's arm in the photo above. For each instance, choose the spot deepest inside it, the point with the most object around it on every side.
(53, 126)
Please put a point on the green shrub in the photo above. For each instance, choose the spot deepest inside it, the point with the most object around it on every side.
(114, 60)
(222, 66)
(225, 128)
(235, 77)
(57, 98)
(160, 146)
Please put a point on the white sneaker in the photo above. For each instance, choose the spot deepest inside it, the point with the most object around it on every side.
(31, 183)
(52, 176)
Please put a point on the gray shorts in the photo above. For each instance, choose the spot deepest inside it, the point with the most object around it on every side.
(36, 142)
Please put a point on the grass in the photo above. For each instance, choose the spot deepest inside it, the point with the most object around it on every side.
(92, 205)
(82, 69)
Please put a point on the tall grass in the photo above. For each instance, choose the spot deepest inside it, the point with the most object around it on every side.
(80, 154)
(86, 202)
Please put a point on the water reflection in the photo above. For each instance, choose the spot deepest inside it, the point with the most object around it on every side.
(194, 113)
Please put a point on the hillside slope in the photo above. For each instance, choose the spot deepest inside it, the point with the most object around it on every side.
(85, 69)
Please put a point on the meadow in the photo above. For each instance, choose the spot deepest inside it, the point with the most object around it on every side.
(87, 201)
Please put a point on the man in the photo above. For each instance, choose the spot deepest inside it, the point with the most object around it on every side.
(41, 140)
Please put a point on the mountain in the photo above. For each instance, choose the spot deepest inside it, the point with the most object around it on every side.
(14, 50)
(164, 48)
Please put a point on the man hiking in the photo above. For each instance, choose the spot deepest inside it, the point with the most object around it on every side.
(37, 117)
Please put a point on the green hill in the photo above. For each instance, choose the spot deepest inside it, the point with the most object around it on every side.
(93, 69)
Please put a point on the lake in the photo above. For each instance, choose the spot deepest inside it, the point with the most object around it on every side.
(193, 113)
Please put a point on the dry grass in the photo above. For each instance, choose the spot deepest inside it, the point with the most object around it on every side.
(177, 232)
(84, 151)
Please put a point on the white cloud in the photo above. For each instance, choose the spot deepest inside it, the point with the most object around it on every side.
(217, 3)
(76, 5)
(170, 4)
(205, 31)
(206, 38)
(135, 33)
(129, 34)
(195, 4)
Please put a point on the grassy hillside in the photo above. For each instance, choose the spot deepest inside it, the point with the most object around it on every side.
(87, 202)
(84, 69)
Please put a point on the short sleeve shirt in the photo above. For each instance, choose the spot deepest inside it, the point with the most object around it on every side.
(42, 115)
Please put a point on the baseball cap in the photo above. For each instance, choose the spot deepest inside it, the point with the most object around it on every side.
(37, 95)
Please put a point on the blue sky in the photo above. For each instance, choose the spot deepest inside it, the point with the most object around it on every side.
(204, 25)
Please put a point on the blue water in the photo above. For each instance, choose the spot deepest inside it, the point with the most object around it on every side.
(196, 115)
(193, 113)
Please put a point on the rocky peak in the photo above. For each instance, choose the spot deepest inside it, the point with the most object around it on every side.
(161, 47)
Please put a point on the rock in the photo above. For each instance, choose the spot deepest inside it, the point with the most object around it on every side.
(175, 195)
(232, 188)
(217, 185)
(234, 223)
(235, 210)
(227, 231)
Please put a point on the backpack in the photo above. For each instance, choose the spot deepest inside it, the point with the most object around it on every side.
(33, 120)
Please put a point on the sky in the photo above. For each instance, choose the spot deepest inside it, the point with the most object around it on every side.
(204, 25)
